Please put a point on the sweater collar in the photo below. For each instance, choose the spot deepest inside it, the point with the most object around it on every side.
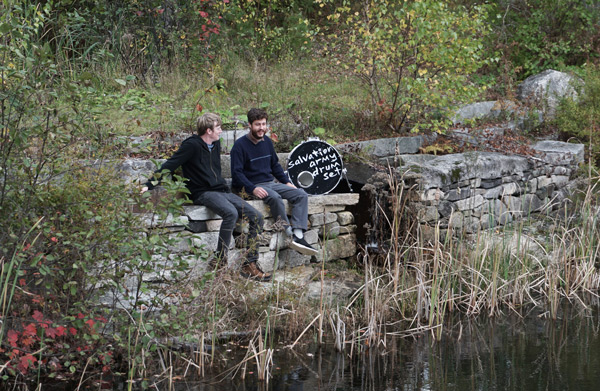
(254, 140)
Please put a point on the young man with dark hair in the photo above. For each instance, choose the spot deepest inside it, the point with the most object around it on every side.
(254, 168)
(200, 158)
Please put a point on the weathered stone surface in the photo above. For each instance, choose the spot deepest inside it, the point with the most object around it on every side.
(560, 170)
(359, 172)
(347, 229)
(322, 219)
(496, 213)
(345, 218)
(531, 203)
(559, 180)
(311, 236)
(456, 220)
(136, 171)
(151, 220)
(343, 246)
(514, 205)
(432, 195)
(228, 138)
(544, 181)
(266, 261)
(316, 203)
(459, 194)
(278, 241)
(197, 226)
(559, 153)
(332, 291)
(493, 193)
(428, 214)
(197, 212)
(470, 203)
(444, 170)
(445, 208)
(384, 147)
(333, 199)
(213, 225)
(483, 110)
(329, 230)
(207, 240)
(290, 258)
(472, 225)
(546, 89)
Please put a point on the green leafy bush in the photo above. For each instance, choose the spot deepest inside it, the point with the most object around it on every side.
(75, 258)
(413, 57)
(579, 118)
(535, 35)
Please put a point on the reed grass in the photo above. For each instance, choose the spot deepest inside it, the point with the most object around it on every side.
(508, 268)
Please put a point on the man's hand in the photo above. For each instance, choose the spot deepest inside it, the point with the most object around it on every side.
(260, 192)
(144, 189)
(290, 184)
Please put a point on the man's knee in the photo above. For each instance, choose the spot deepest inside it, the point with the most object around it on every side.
(229, 214)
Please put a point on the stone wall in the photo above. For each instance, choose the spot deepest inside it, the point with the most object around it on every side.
(331, 230)
(477, 190)
(331, 225)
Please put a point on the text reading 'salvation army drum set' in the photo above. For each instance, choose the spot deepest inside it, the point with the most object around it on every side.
(315, 166)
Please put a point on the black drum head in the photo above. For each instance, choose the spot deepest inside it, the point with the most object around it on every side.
(315, 166)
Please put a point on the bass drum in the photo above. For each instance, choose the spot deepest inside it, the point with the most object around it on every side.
(315, 166)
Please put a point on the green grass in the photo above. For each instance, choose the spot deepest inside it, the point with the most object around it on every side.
(307, 93)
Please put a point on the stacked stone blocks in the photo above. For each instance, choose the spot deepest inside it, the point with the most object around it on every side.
(478, 190)
(331, 230)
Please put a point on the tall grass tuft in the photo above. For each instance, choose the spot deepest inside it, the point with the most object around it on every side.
(537, 261)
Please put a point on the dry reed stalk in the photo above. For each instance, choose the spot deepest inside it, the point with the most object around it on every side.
(258, 351)
(338, 327)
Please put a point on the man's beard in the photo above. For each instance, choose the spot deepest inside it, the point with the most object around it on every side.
(255, 135)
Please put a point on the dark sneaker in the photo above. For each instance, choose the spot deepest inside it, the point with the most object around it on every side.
(300, 245)
(252, 271)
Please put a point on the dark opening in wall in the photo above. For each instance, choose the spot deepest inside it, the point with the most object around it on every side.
(361, 213)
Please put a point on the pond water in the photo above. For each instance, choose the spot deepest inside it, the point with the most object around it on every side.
(513, 353)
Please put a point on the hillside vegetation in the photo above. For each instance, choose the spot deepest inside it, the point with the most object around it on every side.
(80, 78)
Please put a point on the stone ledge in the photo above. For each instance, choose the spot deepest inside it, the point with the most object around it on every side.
(316, 204)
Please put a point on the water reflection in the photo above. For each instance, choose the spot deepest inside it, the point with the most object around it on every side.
(508, 354)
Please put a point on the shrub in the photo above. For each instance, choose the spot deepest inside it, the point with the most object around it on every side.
(413, 57)
(579, 117)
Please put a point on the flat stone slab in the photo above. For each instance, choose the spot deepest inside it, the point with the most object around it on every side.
(557, 152)
(384, 147)
(316, 204)
(440, 171)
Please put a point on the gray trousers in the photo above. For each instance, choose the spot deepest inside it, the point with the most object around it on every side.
(231, 207)
(297, 198)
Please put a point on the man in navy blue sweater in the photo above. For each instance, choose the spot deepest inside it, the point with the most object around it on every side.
(254, 168)
(200, 158)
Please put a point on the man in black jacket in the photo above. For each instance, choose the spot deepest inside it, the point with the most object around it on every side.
(200, 158)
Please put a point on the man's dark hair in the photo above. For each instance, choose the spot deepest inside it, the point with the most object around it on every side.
(256, 114)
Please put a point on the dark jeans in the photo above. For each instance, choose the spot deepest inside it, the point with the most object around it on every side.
(297, 198)
(230, 207)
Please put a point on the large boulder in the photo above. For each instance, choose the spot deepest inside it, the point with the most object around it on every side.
(545, 90)
(488, 110)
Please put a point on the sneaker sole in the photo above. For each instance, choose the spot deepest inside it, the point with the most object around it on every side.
(302, 249)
